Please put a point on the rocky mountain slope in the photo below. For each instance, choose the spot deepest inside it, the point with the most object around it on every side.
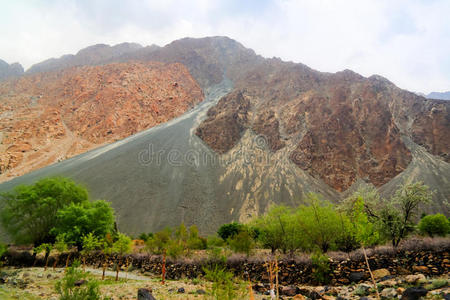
(48, 117)
(268, 132)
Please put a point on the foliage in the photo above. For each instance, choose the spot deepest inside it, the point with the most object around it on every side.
(241, 242)
(365, 231)
(196, 242)
(159, 241)
(396, 218)
(436, 224)
(223, 287)
(277, 229)
(346, 240)
(215, 241)
(68, 291)
(320, 223)
(79, 219)
(45, 247)
(30, 211)
(60, 244)
(228, 230)
(122, 245)
(90, 242)
(321, 268)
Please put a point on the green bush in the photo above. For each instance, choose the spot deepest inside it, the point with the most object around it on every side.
(320, 268)
(68, 291)
(436, 224)
(229, 230)
(241, 242)
(223, 287)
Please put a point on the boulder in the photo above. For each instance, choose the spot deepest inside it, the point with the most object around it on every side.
(414, 293)
(145, 294)
(380, 273)
(299, 297)
(421, 269)
(181, 290)
(356, 276)
(414, 278)
(388, 293)
(289, 291)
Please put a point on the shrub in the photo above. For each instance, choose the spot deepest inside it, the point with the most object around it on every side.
(68, 291)
(223, 287)
(159, 241)
(241, 242)
(229, 230)
(321, 268)
(215, 241)
(436, 224)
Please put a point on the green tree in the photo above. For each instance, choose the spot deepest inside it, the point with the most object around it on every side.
(79, 219)
(121, 247)
(319, 222)
(432, 225)
(159, 242)
(228, 230)
(90, 243)
(30, 211)
(397, 217)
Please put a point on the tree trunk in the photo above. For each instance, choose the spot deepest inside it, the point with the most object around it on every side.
(47, 256)
(370, 272)
(117, 270)
(67, 261)
(56, 262)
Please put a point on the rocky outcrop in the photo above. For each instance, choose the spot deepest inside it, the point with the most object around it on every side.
(430, 128)
(9, 71)
(49, 117)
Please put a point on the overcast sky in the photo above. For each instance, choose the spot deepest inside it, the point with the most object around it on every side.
(406, 41)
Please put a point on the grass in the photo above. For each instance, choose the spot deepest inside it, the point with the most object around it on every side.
(437, 284)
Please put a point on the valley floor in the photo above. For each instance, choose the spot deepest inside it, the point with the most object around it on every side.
(35, 283)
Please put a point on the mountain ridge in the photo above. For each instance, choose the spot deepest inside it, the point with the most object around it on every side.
(278, 130)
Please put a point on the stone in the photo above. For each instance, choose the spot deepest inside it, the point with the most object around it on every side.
(421, 269)
(145, 294)
(356, 276)
(447, 296)
(200, 292)
(289, 290)
(181, 290)
(259, 288)
(414, 293)
(388, 293)
(328, 297)
(299, 297)
(80, 282)
(388, 283)
(380, 273)
(414, 278)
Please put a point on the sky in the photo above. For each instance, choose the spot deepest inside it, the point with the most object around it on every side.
(406, 41)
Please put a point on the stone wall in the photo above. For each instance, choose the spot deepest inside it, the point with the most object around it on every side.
(344, 271)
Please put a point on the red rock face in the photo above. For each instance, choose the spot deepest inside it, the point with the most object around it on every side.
(337, 127)
(51, 116)
(431, 129)
(225, 123)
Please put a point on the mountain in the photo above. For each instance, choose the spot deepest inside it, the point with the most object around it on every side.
(48, 117)
(267, 132)
(8, 71)
(439, 95)
(90, 56)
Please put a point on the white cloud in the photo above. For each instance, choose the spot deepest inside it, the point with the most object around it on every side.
(407, 41)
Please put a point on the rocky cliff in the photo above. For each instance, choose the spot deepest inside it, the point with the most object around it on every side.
(51, 116)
